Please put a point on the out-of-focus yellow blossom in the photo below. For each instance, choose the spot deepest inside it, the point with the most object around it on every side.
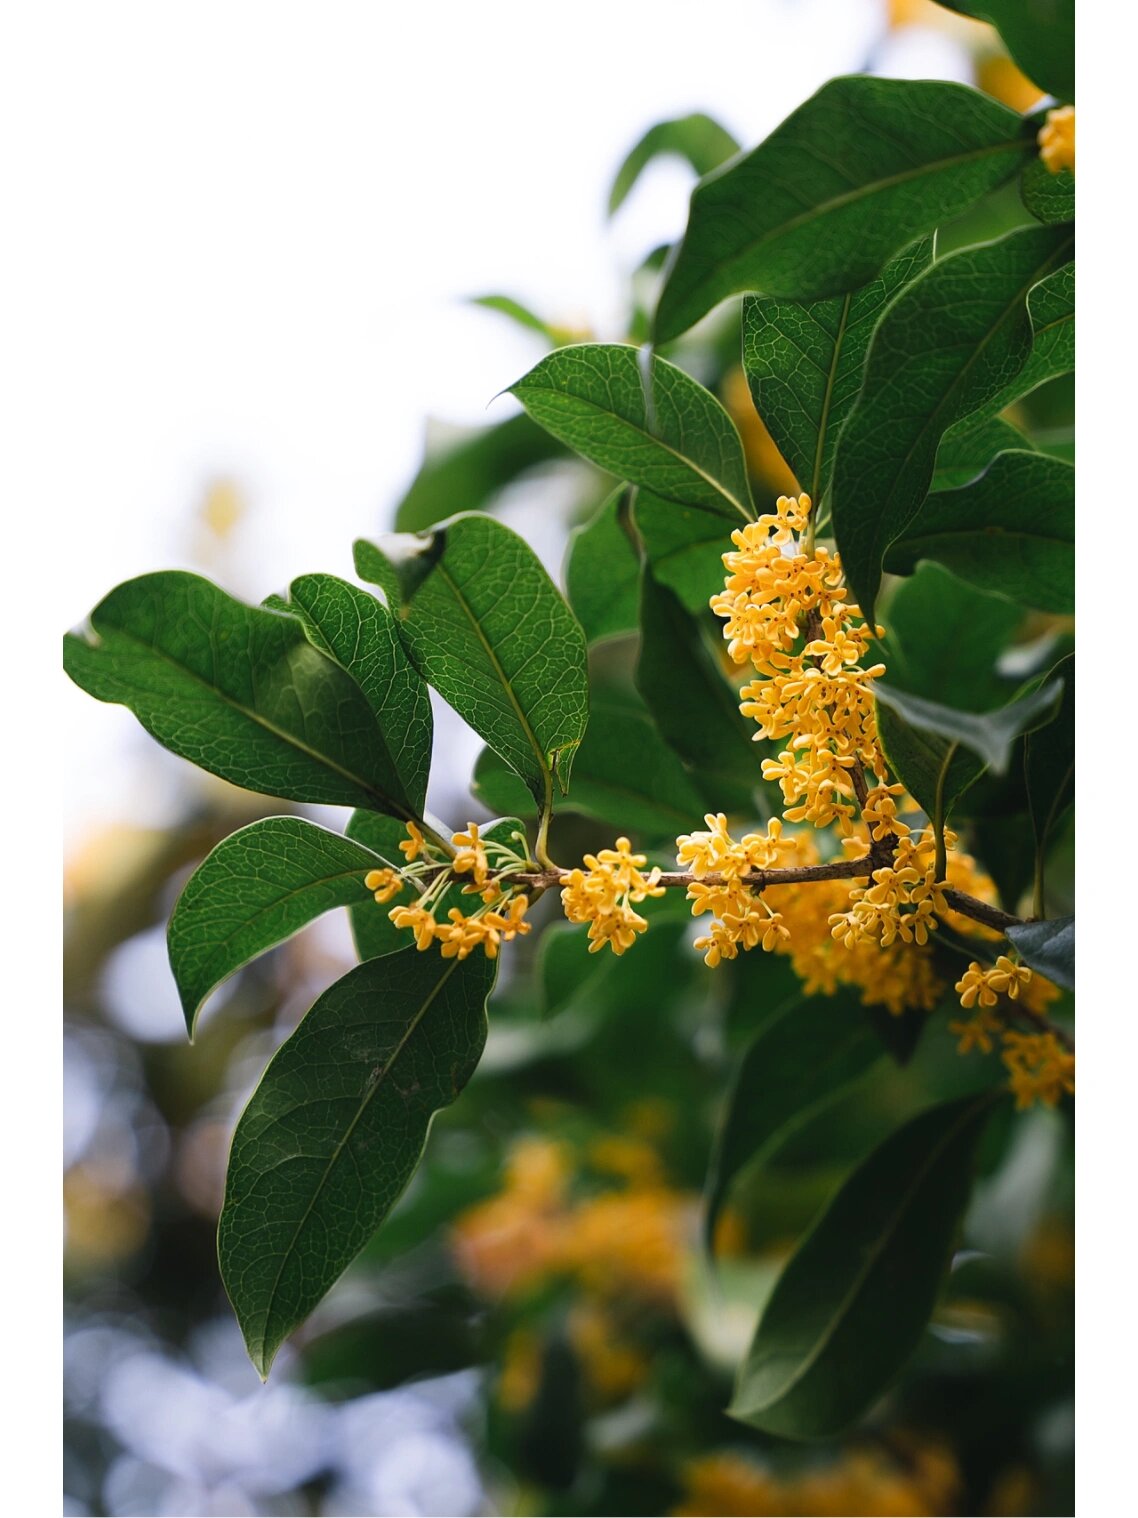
(978, 1031)
(520, 1375)
(858, 1481)
(602, 895)
(764, 461)
(613, 1367)
(631, 1159)
(628, 1243)
(1057, 139)
(1041, 1068)
(999, 77)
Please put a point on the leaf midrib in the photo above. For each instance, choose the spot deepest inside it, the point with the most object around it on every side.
(388, 803)
(503, 679)
(651, 437)
(1010, 309)
(851, 197)
(376, 1084)
(872, 1257)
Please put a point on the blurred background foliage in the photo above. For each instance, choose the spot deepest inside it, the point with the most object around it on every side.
(537, 1328)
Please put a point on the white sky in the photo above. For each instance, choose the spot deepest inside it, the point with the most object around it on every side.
(252, 226)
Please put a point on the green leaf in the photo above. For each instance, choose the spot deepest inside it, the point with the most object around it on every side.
(373, 932)
(679, 443)
(522, 316)
(487, 627)
(336, 1127)
(1051, 309)
(853, 1301)
(352, 627)
(1049, 197)
(942, 350)
(695, 709)
(967, 449)
(685, 548)
(937, 751)
(803, 362)
(602, 573)
(258, 887)
(812, 1051)
(624, 775)
(851, 177)
(474, 469)
(945, 639)
(1039, 34)
(1048, 947)
(1011, 531)
(236, 689)
(1049, 762)
(696, 138)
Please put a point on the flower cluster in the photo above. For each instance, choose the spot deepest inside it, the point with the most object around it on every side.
(786, 612)
(1057, 139)
(1040, 1068)
(742, 917)
(435, 875)
(603, 892)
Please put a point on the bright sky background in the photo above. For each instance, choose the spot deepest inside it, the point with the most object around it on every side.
(254, 226)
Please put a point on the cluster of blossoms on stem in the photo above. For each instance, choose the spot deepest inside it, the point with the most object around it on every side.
(1057, 139)
(480, 867)
(602, 895)
(787, 613)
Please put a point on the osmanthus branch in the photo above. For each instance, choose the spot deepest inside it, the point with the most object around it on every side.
(838, 869)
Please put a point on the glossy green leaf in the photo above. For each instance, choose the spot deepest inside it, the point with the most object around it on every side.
(236, 689)
(258, 887)
(336, 1127)
(623, 775)
(860, 170)
(967, 449)
(694, 707)
(945, 639)
(943, 349)
(468, 473)
(803, 362)
(1049, 762)
(1051, 309)
(1049, 197)
(1011, 531)
(852, 1303)
(697, 138)
(681, 444)
(937, 751)
(685, 548)
(1048, 947)
(602, 572)
(352, 627)
(811, 1052)
(1039, 34)
(487, 627)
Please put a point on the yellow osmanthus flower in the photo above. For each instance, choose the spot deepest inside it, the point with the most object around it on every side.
(1057, 139)
(384, 884)
(613, 1367)
(601, 895)
(1005, 978)
(786, 611)
(432, 873)
(1040, 1068)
